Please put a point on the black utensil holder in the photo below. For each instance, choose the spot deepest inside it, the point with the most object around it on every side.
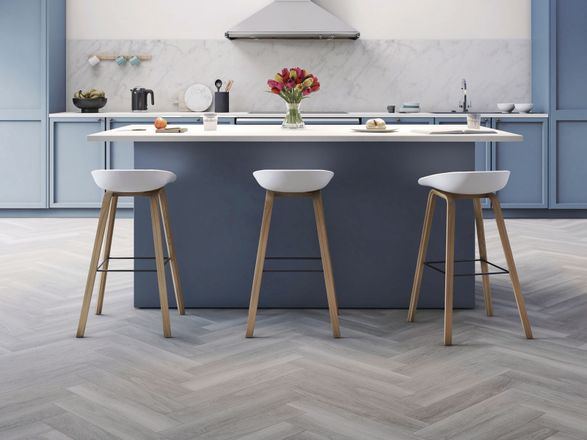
(221, 102)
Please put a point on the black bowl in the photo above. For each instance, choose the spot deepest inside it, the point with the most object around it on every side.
(89, 105)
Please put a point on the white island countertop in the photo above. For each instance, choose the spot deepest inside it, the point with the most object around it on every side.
(312, 133)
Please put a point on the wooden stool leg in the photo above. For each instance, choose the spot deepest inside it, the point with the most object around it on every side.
(160, 263)
(449, 269)
(507, 250)
(326, 262)
(107, 248)
(425, 238)
(260, 262)
(83, 319)
(171, 251)
(483, 256)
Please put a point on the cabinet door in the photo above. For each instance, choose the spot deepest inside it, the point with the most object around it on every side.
(570, 64)
(527, 161)
(72, 160)
(568, 165)
(23, 66)
(568, 123)
(23, 165)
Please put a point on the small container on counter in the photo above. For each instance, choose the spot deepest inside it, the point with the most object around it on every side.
(210, 121)
(221, 102)
(474, 121)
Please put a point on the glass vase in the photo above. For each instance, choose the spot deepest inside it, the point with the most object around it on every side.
(293, 117)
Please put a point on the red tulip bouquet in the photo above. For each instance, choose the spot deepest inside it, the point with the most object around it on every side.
(293, 85)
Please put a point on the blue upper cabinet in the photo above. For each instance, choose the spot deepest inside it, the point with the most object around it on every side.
(22, 30)
(559, 35)
(33, 74)
(570, 56)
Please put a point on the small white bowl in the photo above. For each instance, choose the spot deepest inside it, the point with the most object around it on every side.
(505, 107)
(524, 108)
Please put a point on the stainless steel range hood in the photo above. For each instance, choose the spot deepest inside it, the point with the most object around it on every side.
(292, 19)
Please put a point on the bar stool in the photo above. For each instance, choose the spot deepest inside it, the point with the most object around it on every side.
(474, 185)
(146, 183)
(293, 183)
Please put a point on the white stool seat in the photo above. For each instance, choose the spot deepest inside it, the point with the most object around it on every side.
(467, 182)
(132, 181)
(293, 181)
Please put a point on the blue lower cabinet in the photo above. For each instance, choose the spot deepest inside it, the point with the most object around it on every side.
(72, 159)
(527, 161)
(404, 120)
(568, 165)
(308, 121)
(23, 164)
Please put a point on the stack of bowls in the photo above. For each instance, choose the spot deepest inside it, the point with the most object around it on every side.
(508, 107)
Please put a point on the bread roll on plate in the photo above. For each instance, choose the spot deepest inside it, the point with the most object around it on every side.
(376, 124)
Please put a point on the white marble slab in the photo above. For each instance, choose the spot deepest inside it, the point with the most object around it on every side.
(315, 133)
(356, 75)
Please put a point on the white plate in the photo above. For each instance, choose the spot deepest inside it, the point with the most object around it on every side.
(374, 130)
(198, 98)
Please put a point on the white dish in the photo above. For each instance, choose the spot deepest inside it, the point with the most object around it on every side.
(374, 130)
(524, 108)
(506, 107)
(198, 98)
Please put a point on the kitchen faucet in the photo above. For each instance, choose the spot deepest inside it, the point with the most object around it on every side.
(465, 105)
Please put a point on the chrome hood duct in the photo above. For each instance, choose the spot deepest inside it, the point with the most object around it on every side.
(292, 19)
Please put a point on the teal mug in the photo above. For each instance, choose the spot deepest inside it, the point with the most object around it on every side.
(135, 60)
(120, 60)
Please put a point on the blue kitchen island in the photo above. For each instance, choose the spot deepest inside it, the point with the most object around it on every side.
(374, 211)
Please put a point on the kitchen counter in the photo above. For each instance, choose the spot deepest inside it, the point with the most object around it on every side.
(374, 114)
(374, 210)
(316, 133)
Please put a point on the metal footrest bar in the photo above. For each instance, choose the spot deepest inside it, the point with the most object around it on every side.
(293, 270)
(434, 265)
(99, 268)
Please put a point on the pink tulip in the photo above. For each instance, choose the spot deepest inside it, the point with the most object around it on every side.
(306, 92)
(275, 85)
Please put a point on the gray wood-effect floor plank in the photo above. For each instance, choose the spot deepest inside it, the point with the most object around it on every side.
(385, 379)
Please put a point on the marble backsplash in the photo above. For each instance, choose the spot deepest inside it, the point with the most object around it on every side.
(363, 75)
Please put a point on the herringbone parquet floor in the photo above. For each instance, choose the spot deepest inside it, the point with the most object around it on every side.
(386, 379)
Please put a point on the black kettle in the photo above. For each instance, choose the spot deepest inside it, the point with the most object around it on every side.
(139, 98)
